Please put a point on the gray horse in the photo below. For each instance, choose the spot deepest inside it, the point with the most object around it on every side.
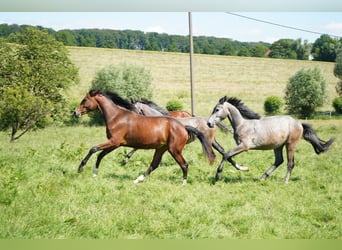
(273, 132)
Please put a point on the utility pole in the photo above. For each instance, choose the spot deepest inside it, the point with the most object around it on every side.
(191, 66)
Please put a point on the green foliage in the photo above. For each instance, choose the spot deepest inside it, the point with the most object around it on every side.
(338, 66)
(173, 105)
(324, 49)
(258, 49)
(273, 105)
(337, 104)
(338, 73)
(34, 70)
(290, 49)
(305, 91)
(129, 81)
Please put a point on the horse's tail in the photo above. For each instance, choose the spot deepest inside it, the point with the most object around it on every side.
(207, 149)
(318, 144)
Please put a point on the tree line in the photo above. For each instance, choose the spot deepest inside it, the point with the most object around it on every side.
(325, 48)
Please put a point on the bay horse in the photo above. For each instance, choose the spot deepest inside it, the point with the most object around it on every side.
(150, 108)
(274, 132)
(124, 127)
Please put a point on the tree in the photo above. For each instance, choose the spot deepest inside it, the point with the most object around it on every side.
(305, 91)
(228, 49)
(128, 81)
(34, 70)
(284, 48)
(324, 49)
(258, 50)
(338, 73)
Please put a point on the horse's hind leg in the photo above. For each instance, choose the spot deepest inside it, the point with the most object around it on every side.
(278, 154)
(158, 154)
(183, 164)
(128, 156)
(290, 162)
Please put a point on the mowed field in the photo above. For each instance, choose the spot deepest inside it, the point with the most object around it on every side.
(250, 79)
(43, 197)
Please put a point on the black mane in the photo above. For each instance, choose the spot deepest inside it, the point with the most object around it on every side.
(118, 100)
(244, 110)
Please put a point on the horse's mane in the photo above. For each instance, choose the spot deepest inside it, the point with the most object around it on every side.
(153, 105)
(115, 98)
(244, 110)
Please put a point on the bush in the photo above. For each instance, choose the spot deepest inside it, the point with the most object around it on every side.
(128, 81)
(337, 104)
(305, 92)
(273, 105)
(174, 105)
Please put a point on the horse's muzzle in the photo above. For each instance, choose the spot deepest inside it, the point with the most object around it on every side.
(77, 114)
(210, 124)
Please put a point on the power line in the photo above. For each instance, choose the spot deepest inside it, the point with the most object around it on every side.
(281, 25)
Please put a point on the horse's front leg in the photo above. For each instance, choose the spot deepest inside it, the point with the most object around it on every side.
(99, 158)
(104, 146)
(128, 156)
(228, 156)
(85, 160)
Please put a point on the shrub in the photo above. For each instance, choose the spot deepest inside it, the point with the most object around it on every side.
(305, 92)
(337, 104)
(128, 81)
(273, 105)
(174, 105)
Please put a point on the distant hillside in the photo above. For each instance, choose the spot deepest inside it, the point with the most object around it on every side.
(138, 40)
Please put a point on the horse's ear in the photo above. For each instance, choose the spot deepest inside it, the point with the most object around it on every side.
(94, 92)
(223, 100)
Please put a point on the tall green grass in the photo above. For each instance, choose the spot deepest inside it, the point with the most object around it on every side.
(42, 196)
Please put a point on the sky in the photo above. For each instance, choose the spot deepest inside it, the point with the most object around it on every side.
(218, 24)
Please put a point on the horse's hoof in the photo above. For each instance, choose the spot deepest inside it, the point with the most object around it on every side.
(263, 178)
(243, 168)
(139, 179)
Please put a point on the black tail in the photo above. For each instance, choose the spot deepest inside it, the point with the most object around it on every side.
(318, 144)
(207, 149)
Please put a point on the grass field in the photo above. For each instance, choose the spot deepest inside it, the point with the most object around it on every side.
(250, 79)
(43, 197)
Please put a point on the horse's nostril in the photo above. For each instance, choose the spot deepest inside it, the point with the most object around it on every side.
(77, 114)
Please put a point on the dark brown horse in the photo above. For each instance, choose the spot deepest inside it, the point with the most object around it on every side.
(125, 127)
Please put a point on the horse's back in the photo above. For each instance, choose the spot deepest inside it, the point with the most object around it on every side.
(273, 131)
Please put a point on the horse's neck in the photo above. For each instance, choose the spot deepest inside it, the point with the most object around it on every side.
(150, 111)
(234, 115)
(108, 109)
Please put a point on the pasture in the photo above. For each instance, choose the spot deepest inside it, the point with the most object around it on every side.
(43, 197)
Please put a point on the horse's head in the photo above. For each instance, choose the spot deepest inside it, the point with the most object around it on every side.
(87, 104)
(219, 113)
